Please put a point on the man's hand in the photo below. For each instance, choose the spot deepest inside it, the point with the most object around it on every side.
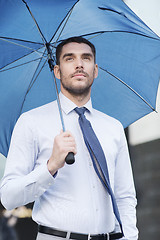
(63, 144)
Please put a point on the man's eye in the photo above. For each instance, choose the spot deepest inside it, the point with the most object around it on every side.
(69, 59)
(87, 58)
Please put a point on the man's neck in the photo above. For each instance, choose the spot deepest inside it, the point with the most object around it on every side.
(79, 100)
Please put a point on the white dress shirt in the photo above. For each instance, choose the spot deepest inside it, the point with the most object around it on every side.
(75, 199)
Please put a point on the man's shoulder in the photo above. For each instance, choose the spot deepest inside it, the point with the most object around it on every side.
(41, 113)
(106, 118)
(46, 108)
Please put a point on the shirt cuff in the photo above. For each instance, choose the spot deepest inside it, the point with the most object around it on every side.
(44, 179)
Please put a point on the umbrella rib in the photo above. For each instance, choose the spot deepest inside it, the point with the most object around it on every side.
(41, 34)
(34, 78)
(21, 40)
(158, 39)
(102, 32)
(20, 59)
(69, 12)
(19, 65)
(88, 34)
(128, 87)
(20, 45)
(63, 28)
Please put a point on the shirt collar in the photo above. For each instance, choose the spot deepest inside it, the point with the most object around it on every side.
(67, 105)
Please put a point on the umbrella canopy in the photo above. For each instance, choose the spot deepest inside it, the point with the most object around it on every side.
(128, 55)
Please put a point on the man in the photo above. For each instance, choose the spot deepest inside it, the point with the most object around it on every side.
(70, 198)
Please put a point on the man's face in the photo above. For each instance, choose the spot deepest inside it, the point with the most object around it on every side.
(77, 69)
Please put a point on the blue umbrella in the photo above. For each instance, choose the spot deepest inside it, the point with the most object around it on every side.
(128, 55)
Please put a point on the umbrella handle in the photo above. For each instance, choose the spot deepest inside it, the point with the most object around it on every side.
(70, 159)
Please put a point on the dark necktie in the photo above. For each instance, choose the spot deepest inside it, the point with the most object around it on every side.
(97, 156)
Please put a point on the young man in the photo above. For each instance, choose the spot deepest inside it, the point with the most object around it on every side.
(70, 200)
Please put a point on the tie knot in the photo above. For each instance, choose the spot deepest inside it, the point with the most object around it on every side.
(80, 111)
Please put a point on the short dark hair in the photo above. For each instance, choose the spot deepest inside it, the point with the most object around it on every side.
(76, 40)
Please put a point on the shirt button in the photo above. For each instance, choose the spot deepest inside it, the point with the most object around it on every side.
(49, 184)
(36, 196)
(90, 163)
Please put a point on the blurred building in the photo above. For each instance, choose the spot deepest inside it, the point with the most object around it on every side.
(16, 224)
(144, 143)
(146, 166)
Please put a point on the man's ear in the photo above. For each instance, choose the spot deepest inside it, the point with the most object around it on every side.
(96, 71)
(57, 71)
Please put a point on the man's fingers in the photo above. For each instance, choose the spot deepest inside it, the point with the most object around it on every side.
(72, 149)
(66, 142)
(66, 133)
(67, 136)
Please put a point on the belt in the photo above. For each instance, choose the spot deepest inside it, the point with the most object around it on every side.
(78, 236)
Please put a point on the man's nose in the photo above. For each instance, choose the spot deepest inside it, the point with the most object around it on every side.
(79, 63)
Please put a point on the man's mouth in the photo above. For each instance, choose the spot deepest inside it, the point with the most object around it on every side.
(79, 74)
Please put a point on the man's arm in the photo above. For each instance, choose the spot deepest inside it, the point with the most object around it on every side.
(24, 180)
(125, 191)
